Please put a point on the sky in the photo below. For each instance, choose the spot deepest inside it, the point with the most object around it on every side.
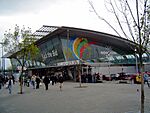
(35, 13)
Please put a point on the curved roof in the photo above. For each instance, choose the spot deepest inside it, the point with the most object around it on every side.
(118, 44)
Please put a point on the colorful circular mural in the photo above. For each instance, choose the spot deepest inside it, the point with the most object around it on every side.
(78, 46)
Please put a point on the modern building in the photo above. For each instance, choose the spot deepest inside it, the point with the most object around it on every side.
(68, 50)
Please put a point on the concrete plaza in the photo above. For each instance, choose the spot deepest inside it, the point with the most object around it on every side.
(107, 97)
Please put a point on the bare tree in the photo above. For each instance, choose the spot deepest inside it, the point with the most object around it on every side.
(21, 46)
(136, 17)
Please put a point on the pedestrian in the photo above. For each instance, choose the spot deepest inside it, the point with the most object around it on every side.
(13, 78)
(10, 83)
(52, 79)
(38, 80)
(46, 81)
(25, 81)
(146, 77)
(94, 77)
(28, 81)
(60, 81)
(33, 81)
(0, 81)
(55, 79)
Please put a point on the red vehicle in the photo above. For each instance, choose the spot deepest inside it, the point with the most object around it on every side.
(133, 78)
(122, 76)
(136, 78)
(106, 78)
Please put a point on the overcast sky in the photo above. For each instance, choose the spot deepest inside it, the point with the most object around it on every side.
(35, 13)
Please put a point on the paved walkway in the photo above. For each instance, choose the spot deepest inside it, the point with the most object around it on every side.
(95, 98)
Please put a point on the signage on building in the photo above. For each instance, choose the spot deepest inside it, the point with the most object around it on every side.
(75, 62)
(50, 54)
(107, 52)
(20, 68)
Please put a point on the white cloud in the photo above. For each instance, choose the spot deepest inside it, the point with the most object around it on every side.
(72, 13)
(13, 7)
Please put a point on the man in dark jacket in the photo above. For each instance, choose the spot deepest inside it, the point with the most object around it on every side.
(37, 82)
(46, 81)
(53, 79)
(61, 80)
(0, 82)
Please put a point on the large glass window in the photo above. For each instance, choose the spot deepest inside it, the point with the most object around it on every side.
(77, 49)
(51, 51)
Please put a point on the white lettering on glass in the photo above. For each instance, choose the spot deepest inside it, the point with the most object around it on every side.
(49, 54)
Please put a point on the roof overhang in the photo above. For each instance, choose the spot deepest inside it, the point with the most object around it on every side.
(118, 44)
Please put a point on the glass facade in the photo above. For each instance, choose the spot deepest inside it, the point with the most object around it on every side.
(60, 49)
(51, 51)
(80, 49)
(62, 52)
(87, 52)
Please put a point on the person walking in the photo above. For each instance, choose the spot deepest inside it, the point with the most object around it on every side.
(33, 81)
(10, 83)
(146, 77)
(0, 82)
(46, 81)
(38, 80)
(28, 81)
(52, 79)
(55, 79)
(13, 78)
(60, 81)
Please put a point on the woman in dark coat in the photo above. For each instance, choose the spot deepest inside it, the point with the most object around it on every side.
(46, 81)
(61, 80)
(37, 82)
